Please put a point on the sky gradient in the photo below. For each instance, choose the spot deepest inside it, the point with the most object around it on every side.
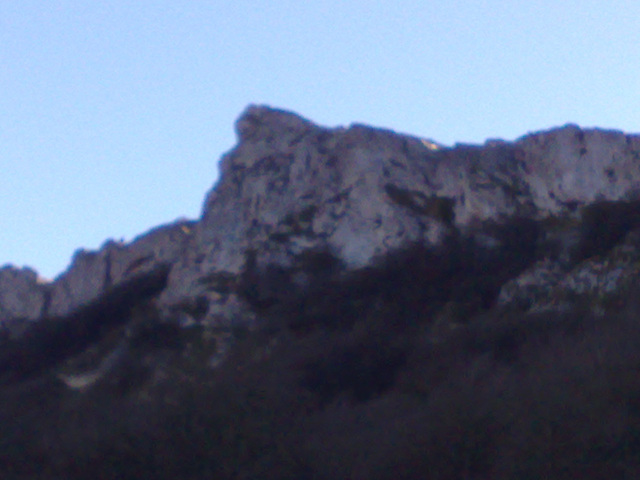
(114, 114)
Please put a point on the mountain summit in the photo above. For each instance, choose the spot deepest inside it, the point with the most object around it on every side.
(291, 190)
(345, 292)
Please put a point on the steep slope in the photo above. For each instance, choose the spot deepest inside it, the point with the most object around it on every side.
(352, 303)
(298, 205)
(291, 189)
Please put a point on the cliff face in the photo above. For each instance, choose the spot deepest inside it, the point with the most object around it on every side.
(296, 202)
(352, 303)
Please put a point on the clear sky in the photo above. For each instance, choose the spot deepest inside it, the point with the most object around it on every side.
(114, 114)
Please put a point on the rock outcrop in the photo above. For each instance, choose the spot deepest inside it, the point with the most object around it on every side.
(91, 274)
(290, 188)
(23, 295)
(296, 202)
(462, 299)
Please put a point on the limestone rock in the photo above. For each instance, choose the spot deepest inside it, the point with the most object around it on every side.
(291, 187)
(23, 298)
(532, 286)
(91, 274)
(596, 282)
(22, 293)
(296, 202)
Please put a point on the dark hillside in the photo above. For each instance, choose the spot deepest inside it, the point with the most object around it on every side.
(378, 384)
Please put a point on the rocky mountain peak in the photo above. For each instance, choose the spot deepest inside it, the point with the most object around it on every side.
(467, 297)
(292, 194)
(259, 122)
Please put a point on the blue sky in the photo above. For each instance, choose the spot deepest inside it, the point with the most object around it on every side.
(114, 114)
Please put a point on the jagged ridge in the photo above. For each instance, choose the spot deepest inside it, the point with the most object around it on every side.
(346, 284)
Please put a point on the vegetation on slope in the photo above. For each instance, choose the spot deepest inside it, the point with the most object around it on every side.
(403, 371)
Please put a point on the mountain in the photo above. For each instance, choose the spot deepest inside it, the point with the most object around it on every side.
(343, 284)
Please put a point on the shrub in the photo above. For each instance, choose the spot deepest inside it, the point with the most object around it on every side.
(604, 224)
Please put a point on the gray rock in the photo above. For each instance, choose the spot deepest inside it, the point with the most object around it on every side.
(23, 298)
(291, 187)
(595, 282)
(292, 191)
(91, 274)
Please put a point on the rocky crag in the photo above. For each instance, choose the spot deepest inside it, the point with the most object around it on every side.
(297, 205)
(352, 303)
